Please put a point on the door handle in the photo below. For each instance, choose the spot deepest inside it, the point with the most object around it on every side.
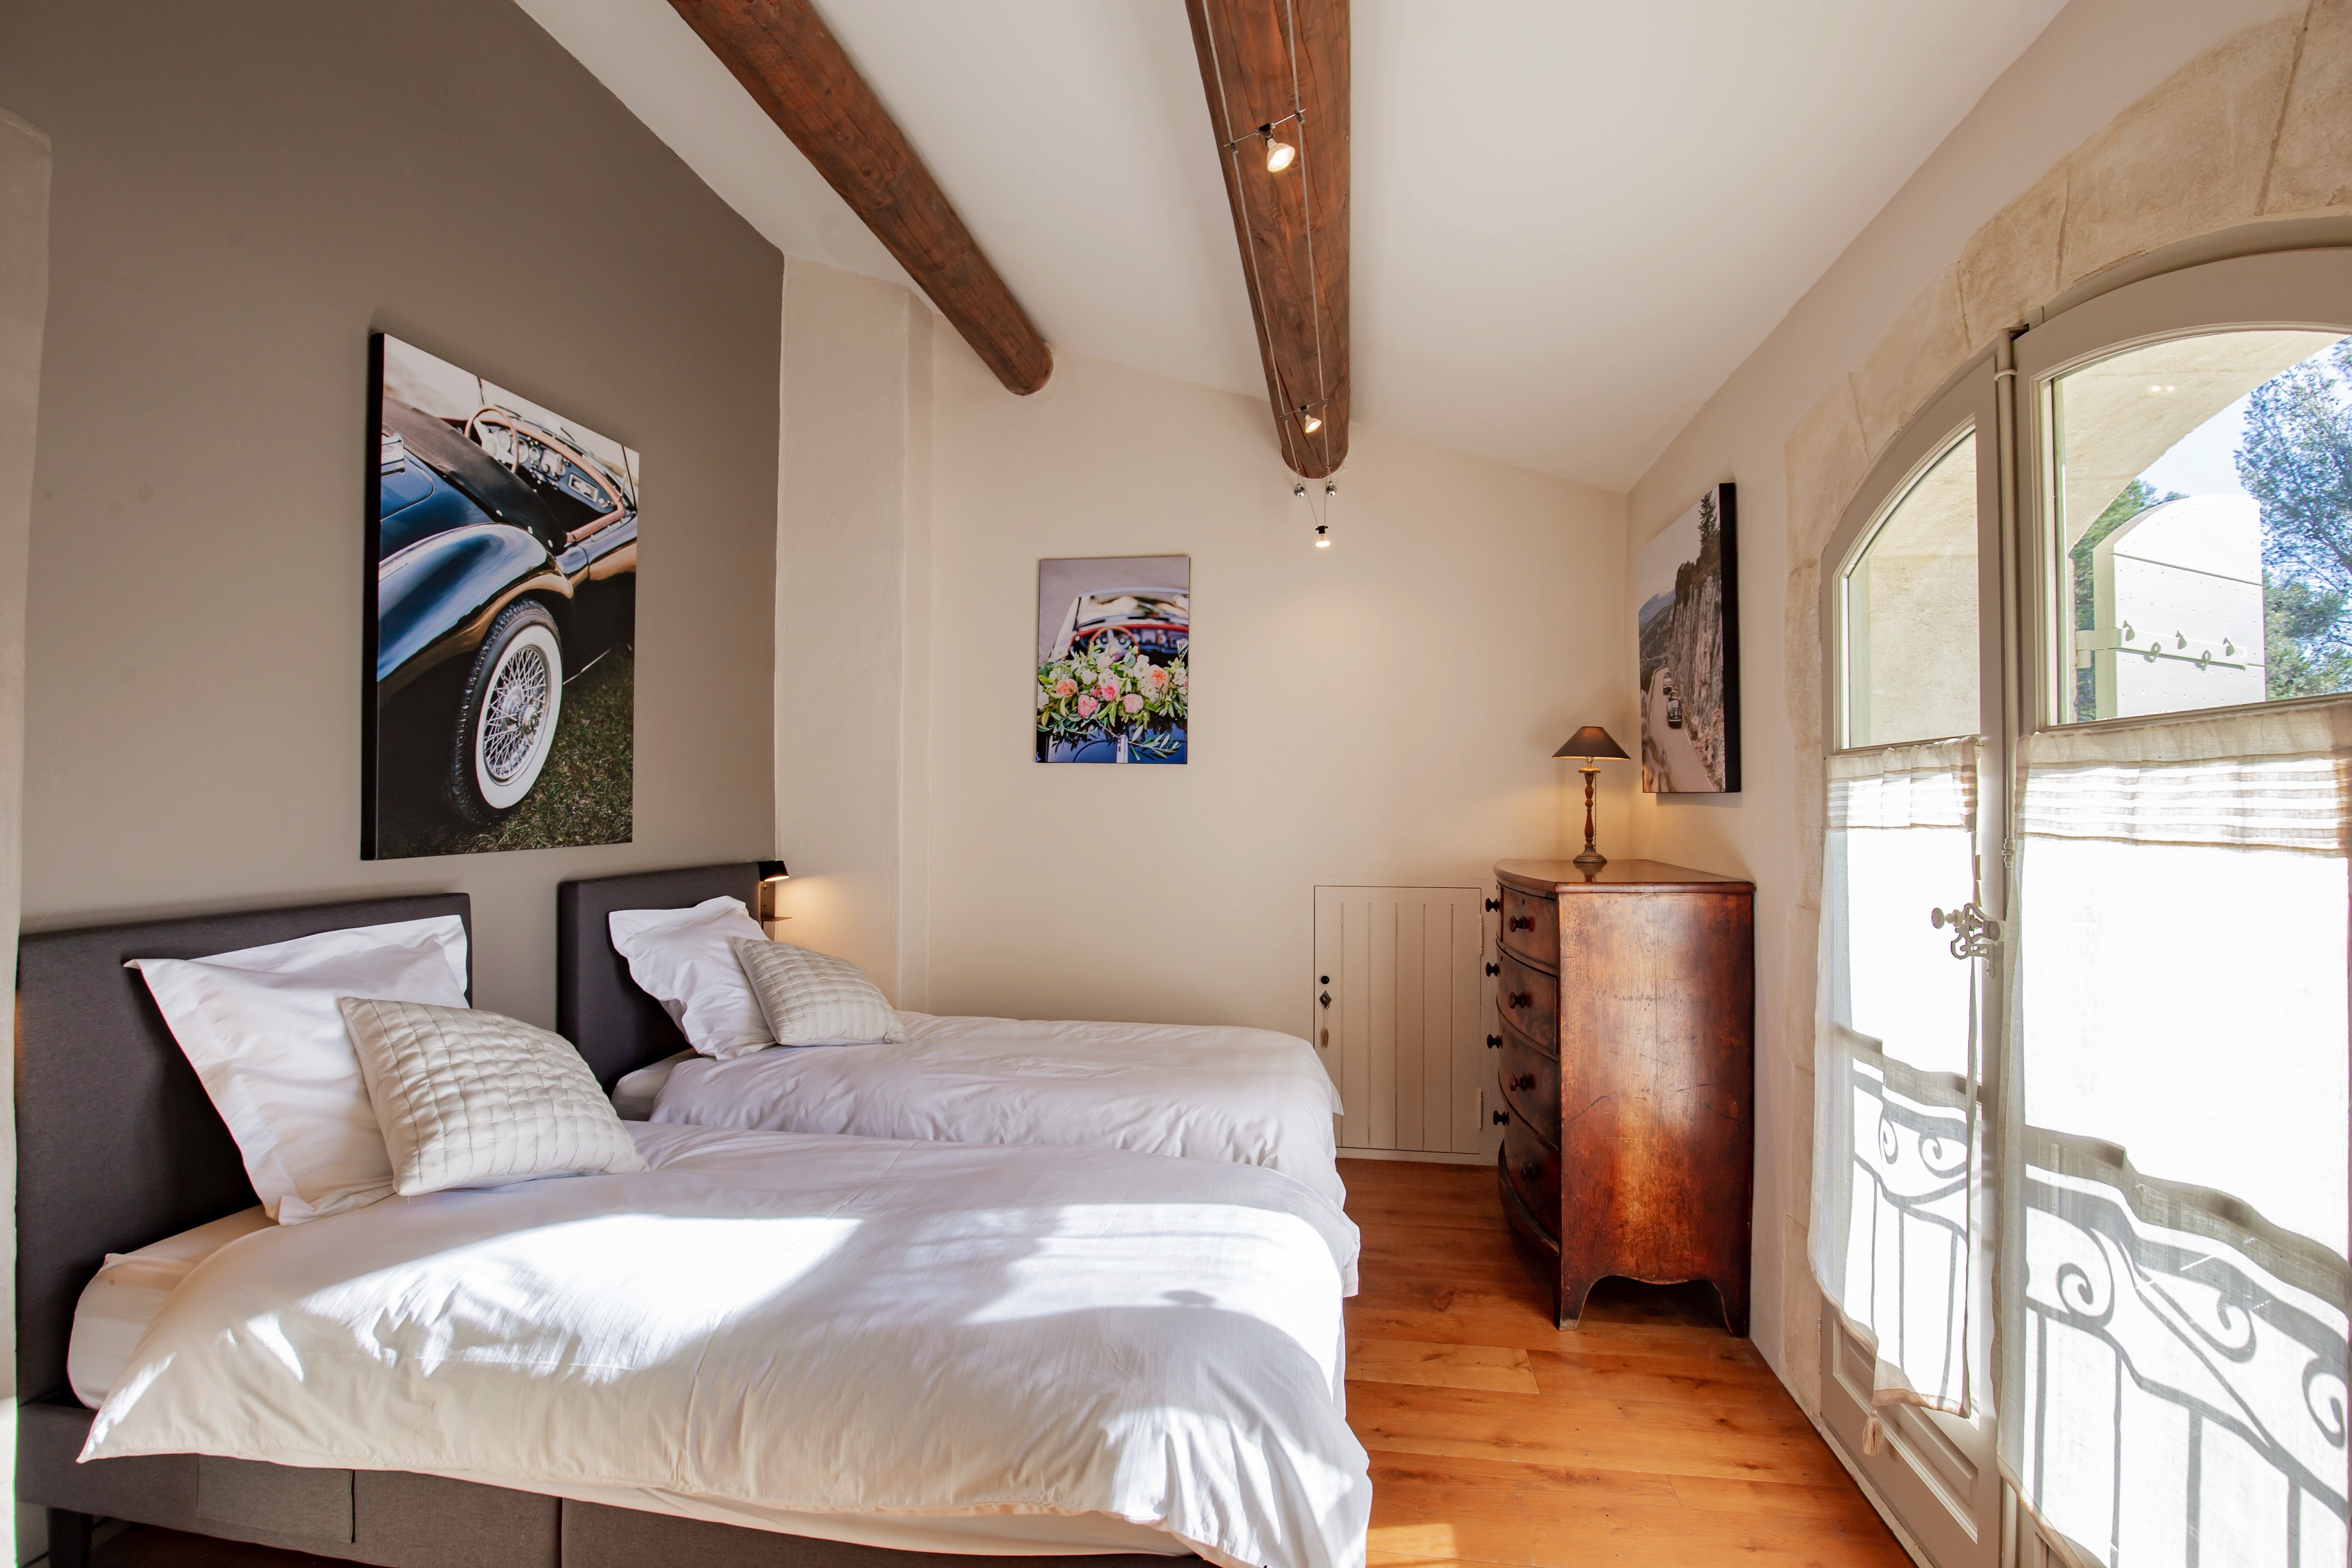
(1975, 934)
(1493, 969)
(1494, 904)
(1523, 1080)
(1502, 1118)
(1494, 1042)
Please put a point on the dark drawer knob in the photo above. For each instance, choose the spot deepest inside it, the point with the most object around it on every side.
(1521, 998)
(1523, 922)
(1494, 1042)
(1530, 1170)
(1502, 1118)
(1523, 1080)
(1493, 969)
(1494, 904)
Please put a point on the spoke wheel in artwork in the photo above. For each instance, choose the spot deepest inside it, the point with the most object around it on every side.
(507, 721)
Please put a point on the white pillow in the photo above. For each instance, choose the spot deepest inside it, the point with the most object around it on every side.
(636, 1095)
(261, 1029)
(679, 958)
(815, 999)
(477, 1100)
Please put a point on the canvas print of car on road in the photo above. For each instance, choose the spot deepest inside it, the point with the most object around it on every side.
(501, 618)
(1687, 586)
(1114, 677)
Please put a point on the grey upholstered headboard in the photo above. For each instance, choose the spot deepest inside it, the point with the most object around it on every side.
(117, 1144)
(598, 1007)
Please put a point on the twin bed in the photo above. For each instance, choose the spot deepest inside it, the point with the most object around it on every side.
(1250, 1096)
(767, 1347)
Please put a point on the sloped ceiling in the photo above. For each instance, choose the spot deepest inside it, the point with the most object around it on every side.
(1573, 218)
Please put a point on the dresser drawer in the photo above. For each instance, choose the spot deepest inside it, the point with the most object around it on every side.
(1531, 1085)
(1529, 1000)
(1531, 927)
(1533, 1167)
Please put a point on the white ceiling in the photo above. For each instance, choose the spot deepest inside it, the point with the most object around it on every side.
(1573, 218)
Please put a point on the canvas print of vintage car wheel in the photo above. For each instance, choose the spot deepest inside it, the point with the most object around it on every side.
(1114, 659)
(506, 725)
(1687, 620)
(501, 618)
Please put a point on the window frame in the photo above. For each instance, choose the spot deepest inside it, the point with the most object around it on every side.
(2304, 290)
(1919, 1467)
(2217, 284)
(1968, 402)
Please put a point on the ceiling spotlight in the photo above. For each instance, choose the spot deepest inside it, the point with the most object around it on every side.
(1299, 490)
(1309, 420)
(1279, 154)
(1330, 490)
(1322, 536)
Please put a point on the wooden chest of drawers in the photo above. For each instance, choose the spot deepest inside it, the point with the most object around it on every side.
(1627, 1068)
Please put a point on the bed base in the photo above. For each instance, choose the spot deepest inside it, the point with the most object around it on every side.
(119, 1146)
(401, 1520)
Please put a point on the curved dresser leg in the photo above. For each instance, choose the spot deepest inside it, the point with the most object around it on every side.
(1572, 1293)
(1734, 1306)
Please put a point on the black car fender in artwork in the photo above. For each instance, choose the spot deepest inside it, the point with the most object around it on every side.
(504, 565)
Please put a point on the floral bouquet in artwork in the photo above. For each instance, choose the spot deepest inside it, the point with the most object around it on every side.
(1112, 695)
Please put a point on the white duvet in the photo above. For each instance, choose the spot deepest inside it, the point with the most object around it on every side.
(815, 1324)
(1250, 1096)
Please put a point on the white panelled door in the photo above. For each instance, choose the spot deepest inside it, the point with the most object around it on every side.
(1400, 1007)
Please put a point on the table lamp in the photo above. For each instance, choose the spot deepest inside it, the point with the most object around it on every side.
(1591, 742)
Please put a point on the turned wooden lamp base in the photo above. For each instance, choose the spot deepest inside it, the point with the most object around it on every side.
(1591, 742)
(1592, 857)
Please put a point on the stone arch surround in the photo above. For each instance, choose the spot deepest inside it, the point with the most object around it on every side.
(2245, 146)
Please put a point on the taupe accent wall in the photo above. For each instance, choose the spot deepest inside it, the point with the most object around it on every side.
(243, 191)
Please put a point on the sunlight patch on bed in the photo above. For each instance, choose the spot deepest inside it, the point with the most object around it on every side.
(1094, 1258)
(640, 1289)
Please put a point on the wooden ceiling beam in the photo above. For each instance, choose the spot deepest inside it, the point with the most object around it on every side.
(793, 67)
(1284, 63)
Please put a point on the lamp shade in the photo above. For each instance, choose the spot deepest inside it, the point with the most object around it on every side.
(773, 872)
(1591, 742)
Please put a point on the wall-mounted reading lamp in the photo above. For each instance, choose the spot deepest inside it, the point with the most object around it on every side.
(772, 877)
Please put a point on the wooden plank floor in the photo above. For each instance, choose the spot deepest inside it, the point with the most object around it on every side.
(1647, 1437)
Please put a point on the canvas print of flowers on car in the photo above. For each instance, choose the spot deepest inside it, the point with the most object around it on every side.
(1687, 587)
(501, 618)
(1114, 682)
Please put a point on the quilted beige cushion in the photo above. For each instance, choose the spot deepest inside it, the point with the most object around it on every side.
(815, 999)
(469, 1099)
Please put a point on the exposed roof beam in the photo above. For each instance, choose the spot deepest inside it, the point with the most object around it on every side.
(789, 61)
(1284, 64)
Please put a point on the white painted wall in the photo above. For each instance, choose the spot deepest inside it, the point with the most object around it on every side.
(1384, 711)
(852, 595)
(2095, 59)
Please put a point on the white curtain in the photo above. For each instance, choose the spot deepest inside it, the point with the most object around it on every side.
(2173, 1282)
(1894, 1071)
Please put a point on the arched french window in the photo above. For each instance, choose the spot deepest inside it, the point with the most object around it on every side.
(2082, 1157)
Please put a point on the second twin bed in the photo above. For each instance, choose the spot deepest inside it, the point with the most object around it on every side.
(653, 994)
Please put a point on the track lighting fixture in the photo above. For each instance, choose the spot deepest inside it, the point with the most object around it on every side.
(1299, 490)
(1309, 420)
(1330, 490)
(1279, 154)
(1322, 536)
